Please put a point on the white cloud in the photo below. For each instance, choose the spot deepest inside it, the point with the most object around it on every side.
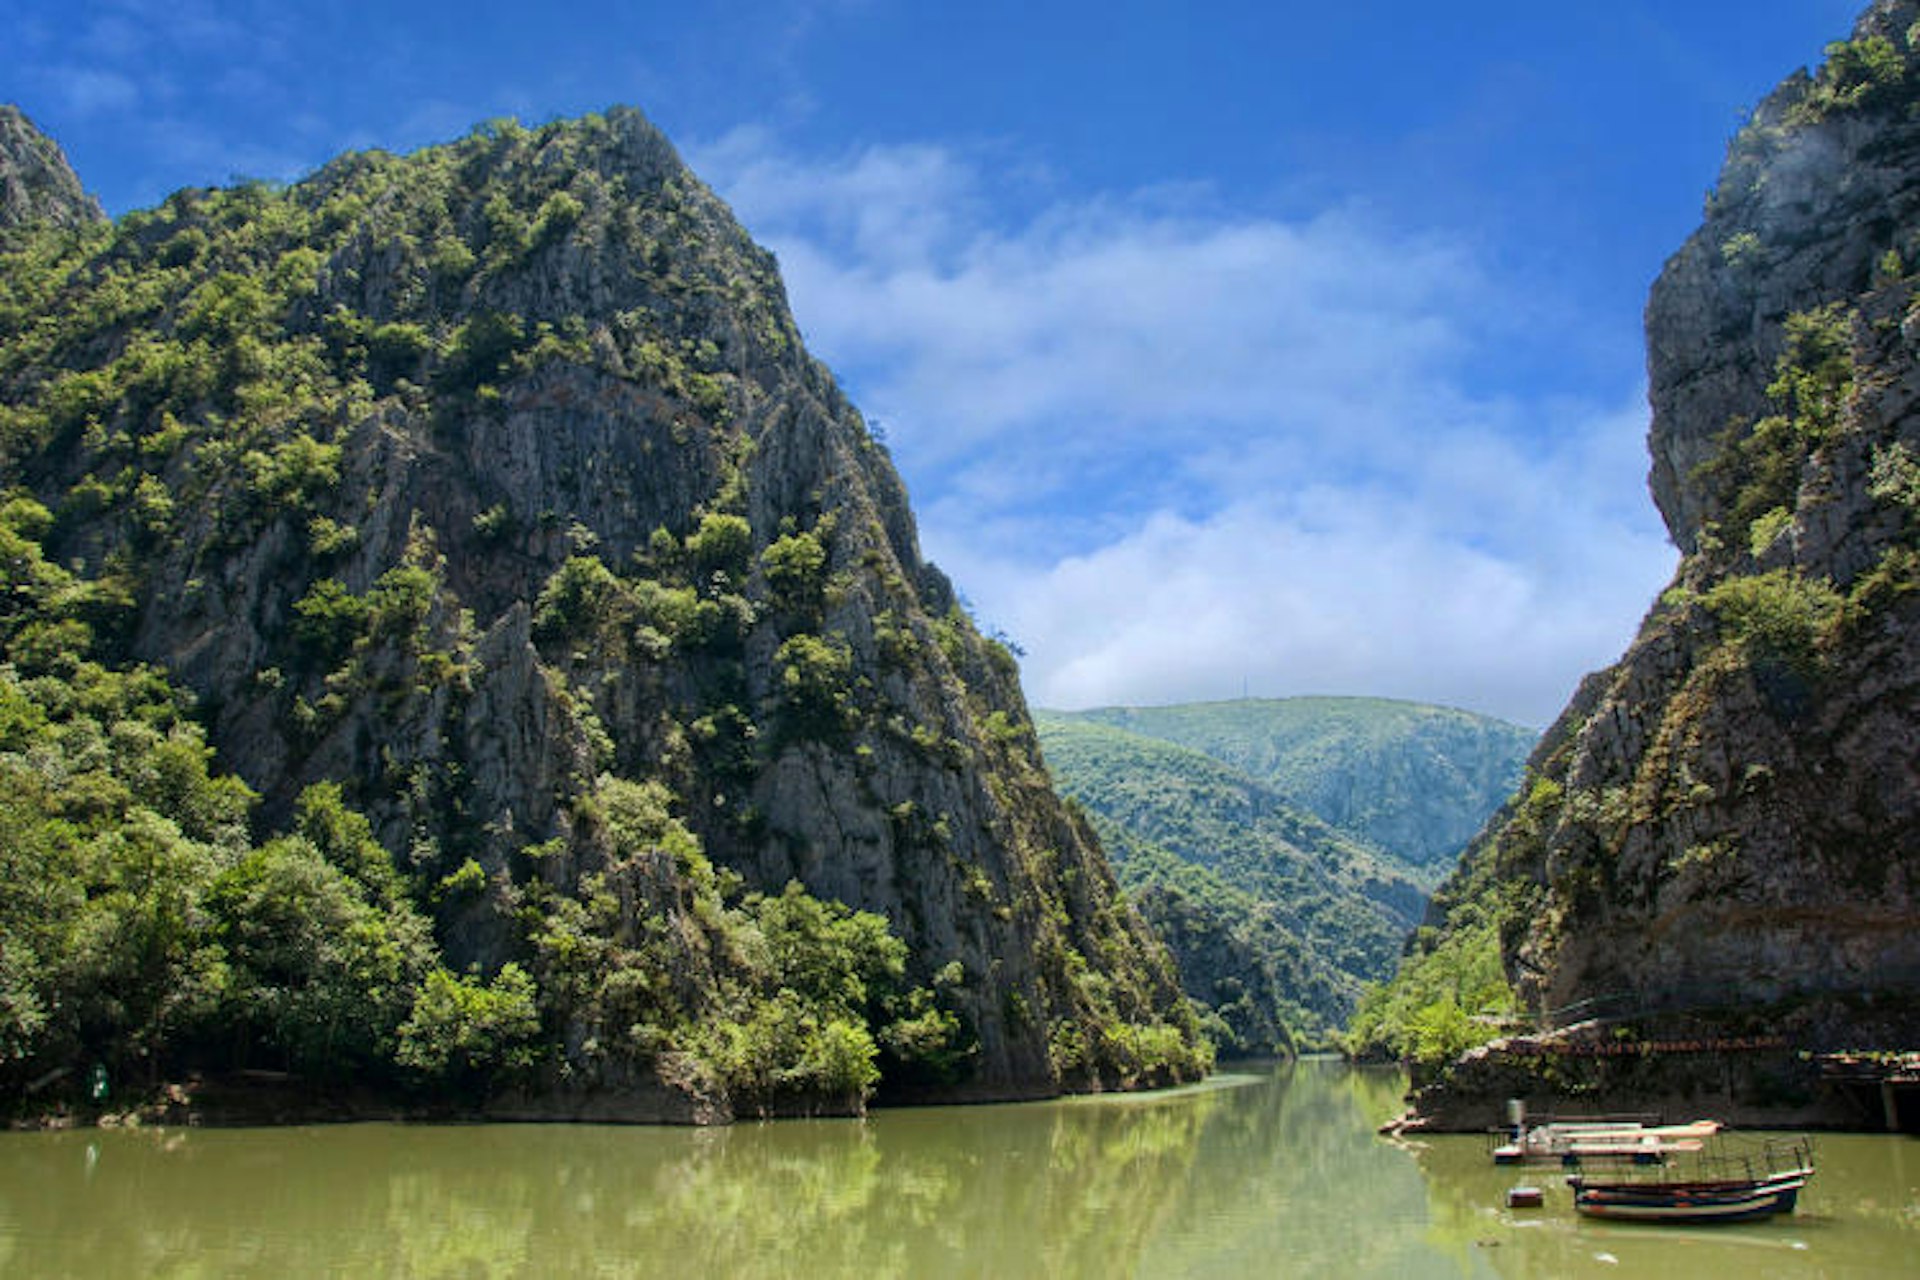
(1325, 588)
(1173, 448)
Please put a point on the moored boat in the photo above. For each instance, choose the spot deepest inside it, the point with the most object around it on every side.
(1743, 1186)
(1577, 1142)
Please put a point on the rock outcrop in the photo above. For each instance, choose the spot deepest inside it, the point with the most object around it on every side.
(494, 484)
(37, 185)
(1722, 832)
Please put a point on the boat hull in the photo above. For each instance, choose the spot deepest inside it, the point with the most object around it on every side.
(1690, 1202)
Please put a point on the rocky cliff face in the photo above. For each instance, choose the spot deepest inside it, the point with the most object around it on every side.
(36, 183)
(1727, 822)
(493, 483)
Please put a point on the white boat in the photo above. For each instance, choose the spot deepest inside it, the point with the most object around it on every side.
(1575, 1142)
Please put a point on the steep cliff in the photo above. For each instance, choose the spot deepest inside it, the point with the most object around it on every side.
(492, 486)
(1724, 828)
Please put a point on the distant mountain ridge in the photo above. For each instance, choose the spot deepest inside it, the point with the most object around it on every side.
(1277, 918)
(1415, 780)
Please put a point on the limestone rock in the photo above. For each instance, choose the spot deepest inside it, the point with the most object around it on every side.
(36, 183)
(1727, 823)
(499, 470)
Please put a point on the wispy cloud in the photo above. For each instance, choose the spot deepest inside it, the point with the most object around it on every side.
(1178, 450)
(1492, 590)
(87, 90)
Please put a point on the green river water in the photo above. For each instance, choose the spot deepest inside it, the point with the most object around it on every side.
(1276, 1172)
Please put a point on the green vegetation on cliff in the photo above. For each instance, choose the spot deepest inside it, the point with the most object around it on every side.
(1721, 827)
(141, 927)
(455, 640)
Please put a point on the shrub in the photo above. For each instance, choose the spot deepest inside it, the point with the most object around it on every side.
(330, 619)
(815, 673)
(400, 601)
(721, 544)
(1756, 469)
(482, 351)
(294, 472)
(396, 351)
(1814, 375)
(1857, 73)
(1776, 616)
(583, 596)
(795, 565)
(466, 1031)
(327, 537)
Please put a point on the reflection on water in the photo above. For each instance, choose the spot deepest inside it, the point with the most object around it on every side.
(1860, 1216)
(1272, 1173)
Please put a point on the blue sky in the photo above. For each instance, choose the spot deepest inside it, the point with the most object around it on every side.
(1250, 347)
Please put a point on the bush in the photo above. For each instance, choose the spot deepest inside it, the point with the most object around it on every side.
(815, 673)
(582, 597)
(482, 351)
(1857, 73)
(400, 601)
(468, 1032)
(1777, 616)
(293, 472)
(721, 544)
(330, 619)
(396, 351)
(795, 566)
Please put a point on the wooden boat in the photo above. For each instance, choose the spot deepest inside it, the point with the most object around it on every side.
(1749, 1186)
(1735, 1200)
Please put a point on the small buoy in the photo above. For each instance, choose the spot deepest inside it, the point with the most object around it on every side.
(1525, 1198)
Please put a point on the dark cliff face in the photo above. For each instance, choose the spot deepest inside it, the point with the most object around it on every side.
(488, 480)
(36, 183)
(1729, 819)
(1816, 190)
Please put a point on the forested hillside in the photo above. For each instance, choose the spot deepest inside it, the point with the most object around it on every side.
(1413, 780)
(1276, 918)
(458, 643)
